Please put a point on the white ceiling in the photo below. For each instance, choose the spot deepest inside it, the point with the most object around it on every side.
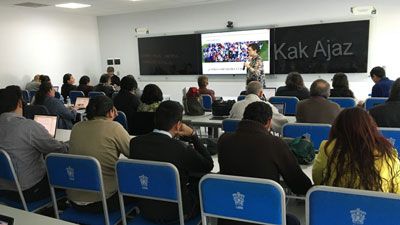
(109, 7)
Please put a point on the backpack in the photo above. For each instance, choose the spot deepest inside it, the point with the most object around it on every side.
(192, 102)
(222, 108)
(302, 148)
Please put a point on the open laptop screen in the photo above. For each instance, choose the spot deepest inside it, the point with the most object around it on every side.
(81, 102)
(280, 107)
(269, 92)
(49, 122)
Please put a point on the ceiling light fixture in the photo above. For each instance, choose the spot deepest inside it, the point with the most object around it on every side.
(73, 5)
(363, 10)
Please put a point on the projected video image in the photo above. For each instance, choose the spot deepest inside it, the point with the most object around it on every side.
(232, 52)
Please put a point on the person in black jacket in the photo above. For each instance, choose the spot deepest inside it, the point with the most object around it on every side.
(125, 100)
(252, 151)
(294, 87)
(387, 114)
(161, 145)
(68, 85)
(84, 85)
(340, 86)
(105, 85)
(115, 81)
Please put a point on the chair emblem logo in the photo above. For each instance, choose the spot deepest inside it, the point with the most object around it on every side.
(144, 181)
(358, 216)
(392, 141)
(307, 136)
(238, 198)
(70, 173)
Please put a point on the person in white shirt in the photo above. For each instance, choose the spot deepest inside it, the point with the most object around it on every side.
(254, 91)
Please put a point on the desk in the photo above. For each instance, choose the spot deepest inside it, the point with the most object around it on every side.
(203, 120)
(24, 217)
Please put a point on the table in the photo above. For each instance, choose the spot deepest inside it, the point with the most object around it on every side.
(24, 217)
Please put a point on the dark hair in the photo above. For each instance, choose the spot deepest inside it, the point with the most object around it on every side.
(84, 80)
(66, 77)
(128, 83)
(294, 81)
(104, 78)
(110, 69)
(167, 115)
(378, 71)
(339, 80)
(99, 106)
(255, 47)
(395, 91)
(9, 98)
(201, 81)
(357, 145)
(258, 111)
(41, 94)
(320, 88)
(44, 78)
(151, 93)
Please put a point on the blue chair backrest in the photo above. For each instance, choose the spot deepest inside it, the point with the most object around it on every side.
(230, 125)
(333, 206)
(148, 179)
(121, 118)
(25, 96)
(93, 94)
(393, 136)
(57, 95)
(289, 102)
(344, 102)
(241, 97)
(6, 168)
(31, 95)
(74, 172)
(74, 94)
(315, 132)
(247, 199)
(207, 102)
(372, 102)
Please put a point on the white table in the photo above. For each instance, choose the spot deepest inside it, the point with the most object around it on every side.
(23, 217)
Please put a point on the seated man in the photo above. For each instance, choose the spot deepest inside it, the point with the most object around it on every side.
(161, 145)
(254, 92)
(202, 81)
(26, 141)
(382, 83)
(317, 109)
(253, 152)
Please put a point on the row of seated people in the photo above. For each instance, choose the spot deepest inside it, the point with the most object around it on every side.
(250, 151)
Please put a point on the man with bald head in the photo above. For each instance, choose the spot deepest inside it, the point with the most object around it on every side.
(317, 109)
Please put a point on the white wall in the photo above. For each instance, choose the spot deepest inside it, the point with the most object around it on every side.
(36, 42)
(117, 38)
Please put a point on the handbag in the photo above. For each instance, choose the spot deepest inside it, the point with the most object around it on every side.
(222, 108)
(302, 148)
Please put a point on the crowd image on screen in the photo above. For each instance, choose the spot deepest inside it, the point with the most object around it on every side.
(227, 52)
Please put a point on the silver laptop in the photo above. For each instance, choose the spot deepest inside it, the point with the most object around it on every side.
(269, 92)
(81, 102)
(49, 122)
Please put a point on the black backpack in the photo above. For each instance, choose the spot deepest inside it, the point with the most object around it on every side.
(192, 103)
(222, 108)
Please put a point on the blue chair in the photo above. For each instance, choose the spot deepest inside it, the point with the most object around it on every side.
(31, 95)
(313, 131)
(230, 125)
(150, 180)
(30, 111)
(74, 94)
(333, 206)
(121, 118)
(79, 173)
(393, 136)
(7, 172)
(344, 102)
(241, 97)
(93, 94)
(57, 95)
(25, 96)
(372, 102)
(206, 102)
(253, 200)
(290, 104)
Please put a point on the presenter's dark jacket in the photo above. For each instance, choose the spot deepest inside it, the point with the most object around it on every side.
(341, 92)
(128, 103)
(387, 114)
(65, 89)
(316, 109)
(382, 88)
(252, 152)
(115, 80)
(161, 147)
(286, 91)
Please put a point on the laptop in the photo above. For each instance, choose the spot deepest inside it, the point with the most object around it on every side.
(81, 102)
(280, 107)
(269, 92)
(49, 122)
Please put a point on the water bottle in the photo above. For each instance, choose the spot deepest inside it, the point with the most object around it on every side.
(68, 101)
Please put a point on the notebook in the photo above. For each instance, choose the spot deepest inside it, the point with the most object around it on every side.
(49, 122)
(81, 102)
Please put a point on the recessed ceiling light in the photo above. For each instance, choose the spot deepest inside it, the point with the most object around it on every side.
(135, 0)
(73, 5)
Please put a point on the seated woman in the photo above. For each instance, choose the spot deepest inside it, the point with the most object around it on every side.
(126, 101)
(68, 85)
(340, 86)
(202, 81)
(103, 139)
(151, 98)
(105, 85)
(294, 87)
(84, 85)
(45, 97)
(357, 156)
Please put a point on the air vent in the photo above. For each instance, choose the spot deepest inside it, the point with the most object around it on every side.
(31, 5)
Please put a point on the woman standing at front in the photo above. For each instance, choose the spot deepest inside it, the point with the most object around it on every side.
(255, 66)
